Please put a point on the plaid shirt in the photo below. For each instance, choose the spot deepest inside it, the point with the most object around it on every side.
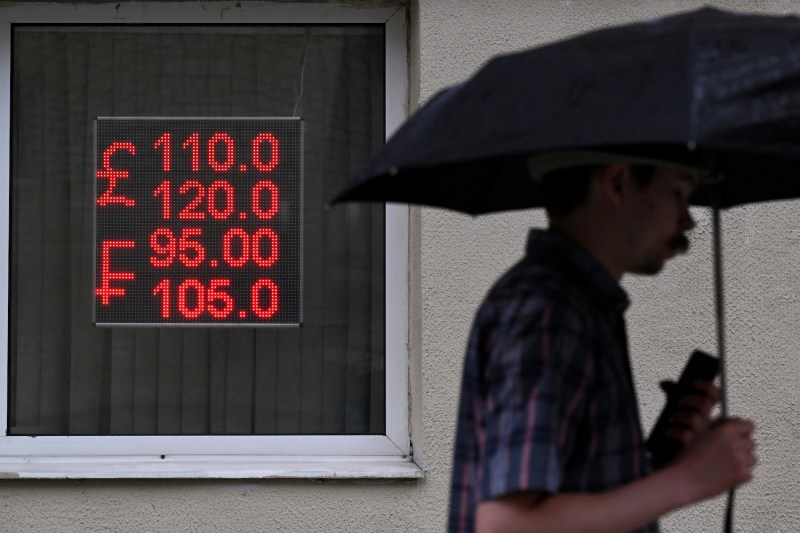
(548, 402)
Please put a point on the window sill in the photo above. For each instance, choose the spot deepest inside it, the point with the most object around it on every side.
(212, 468)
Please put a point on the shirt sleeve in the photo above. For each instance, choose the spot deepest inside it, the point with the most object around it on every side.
(534, 391)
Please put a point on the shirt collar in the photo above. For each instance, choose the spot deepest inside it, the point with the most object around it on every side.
(565, 255)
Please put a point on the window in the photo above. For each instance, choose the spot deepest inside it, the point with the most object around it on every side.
(181, 401)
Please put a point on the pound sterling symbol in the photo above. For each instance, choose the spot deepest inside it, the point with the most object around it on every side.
(112, 174)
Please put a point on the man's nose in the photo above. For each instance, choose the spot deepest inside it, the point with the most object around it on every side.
(686, 222)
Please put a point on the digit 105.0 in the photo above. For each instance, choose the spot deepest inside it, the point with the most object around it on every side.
(192, 299)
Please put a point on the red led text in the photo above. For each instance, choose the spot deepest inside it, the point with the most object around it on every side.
(112, 175)
(198, 221)
(217, 200)
(105, 291)
(193, 299)
(220, 152)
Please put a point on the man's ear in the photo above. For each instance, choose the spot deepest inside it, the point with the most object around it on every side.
(614, 181)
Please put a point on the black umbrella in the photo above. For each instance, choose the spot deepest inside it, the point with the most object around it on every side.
(712, 90)
(706, 87)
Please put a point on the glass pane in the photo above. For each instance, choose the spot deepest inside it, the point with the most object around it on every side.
(68, 377)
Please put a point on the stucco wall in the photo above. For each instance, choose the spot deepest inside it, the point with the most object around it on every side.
(670, 315)
(454, 260)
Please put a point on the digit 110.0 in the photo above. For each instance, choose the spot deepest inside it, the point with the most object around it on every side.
(221, 151)
(194, 298)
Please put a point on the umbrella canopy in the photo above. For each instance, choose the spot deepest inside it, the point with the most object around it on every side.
(709, 89)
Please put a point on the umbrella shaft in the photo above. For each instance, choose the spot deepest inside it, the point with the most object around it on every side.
(719, 301)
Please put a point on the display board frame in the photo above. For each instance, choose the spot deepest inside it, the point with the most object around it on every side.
(295, 318)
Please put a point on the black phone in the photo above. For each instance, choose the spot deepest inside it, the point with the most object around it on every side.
(663, 449)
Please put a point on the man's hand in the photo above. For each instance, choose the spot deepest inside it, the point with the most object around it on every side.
(717, 456)
(693, 418)
(718, 460)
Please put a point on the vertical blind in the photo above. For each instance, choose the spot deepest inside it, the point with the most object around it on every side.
(68, 377)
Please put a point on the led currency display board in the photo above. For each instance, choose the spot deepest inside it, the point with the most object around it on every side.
(198, 221)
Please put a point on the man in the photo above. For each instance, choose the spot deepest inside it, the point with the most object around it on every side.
(549, 437)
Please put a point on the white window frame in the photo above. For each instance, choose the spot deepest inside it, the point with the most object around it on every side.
(364, 456)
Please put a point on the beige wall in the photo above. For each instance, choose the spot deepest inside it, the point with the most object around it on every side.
(671, 314)
(455, 258)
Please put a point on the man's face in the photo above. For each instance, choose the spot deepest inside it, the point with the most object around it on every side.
(659, 219)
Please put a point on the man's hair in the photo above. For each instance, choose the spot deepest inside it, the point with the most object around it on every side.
(565, 189)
